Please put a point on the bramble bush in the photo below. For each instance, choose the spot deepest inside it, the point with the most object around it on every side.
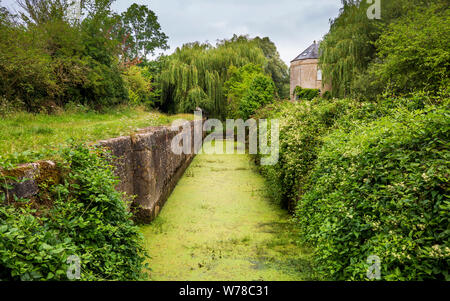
(306, 94)
(381, 190)
(367, 179)
(88, 218)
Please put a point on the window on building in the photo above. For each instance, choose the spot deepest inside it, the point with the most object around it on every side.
(319, 74)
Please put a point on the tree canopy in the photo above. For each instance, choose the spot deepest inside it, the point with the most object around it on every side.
(347, 49)
(49, 59)
(413, 53)
(247, 90)
(143, 31)
(195, 74)
(363, 57)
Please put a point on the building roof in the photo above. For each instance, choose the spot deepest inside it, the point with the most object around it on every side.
(312, 52)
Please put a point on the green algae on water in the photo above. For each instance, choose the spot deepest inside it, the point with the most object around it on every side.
(218, 224)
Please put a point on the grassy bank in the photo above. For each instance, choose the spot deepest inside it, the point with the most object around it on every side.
(219, 225)
(24, 135)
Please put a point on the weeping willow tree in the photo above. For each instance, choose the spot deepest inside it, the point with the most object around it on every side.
(348, 47)
(195, 74)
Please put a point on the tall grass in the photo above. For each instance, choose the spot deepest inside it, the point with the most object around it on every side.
(26, 136)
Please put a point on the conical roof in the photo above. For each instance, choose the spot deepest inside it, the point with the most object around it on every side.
(312, 52)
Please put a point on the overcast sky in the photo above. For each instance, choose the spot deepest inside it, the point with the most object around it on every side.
(292, 24)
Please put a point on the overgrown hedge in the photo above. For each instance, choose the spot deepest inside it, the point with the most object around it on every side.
(87, 218)
(380, 190)
(367, 179)
(302, 126)
(305, 93)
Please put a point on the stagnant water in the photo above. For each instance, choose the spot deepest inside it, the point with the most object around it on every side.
(219, 224)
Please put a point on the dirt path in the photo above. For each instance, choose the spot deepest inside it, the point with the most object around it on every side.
(219, 225)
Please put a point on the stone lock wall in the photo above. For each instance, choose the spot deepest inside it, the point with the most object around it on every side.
(144, 163)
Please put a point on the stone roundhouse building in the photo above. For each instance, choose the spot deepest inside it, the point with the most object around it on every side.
(305, 70)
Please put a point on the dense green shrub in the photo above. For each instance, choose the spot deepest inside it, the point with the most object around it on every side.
(87, 218)
(367, 179)
(25, 73)
(381, 190)
(29, 250)
(247, 90)
(105, 86)
(48, 60)
(239, 80)
(138, 86)
(327, 95)
(305, 94)
(302, 126)
(260, 93)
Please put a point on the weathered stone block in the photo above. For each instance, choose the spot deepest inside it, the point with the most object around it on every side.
(144, 163)
(28, 177)
(122, 152)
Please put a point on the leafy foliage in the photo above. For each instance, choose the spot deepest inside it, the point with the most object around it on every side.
(88, 218)
(404, 51)
(138, 82)
(380, 190)
(276, 68)
(302, 125)
(143, 31)
(195, 74)
(247, 90)
(346, 50)
(39, 12)
(30, 251)
(413, 52)
(48, 60)
(306, 94)
(260, 93)
(367, 179)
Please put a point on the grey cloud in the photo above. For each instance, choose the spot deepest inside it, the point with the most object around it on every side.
(292, 24)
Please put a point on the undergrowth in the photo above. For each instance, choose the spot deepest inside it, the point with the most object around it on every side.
(88, 219)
